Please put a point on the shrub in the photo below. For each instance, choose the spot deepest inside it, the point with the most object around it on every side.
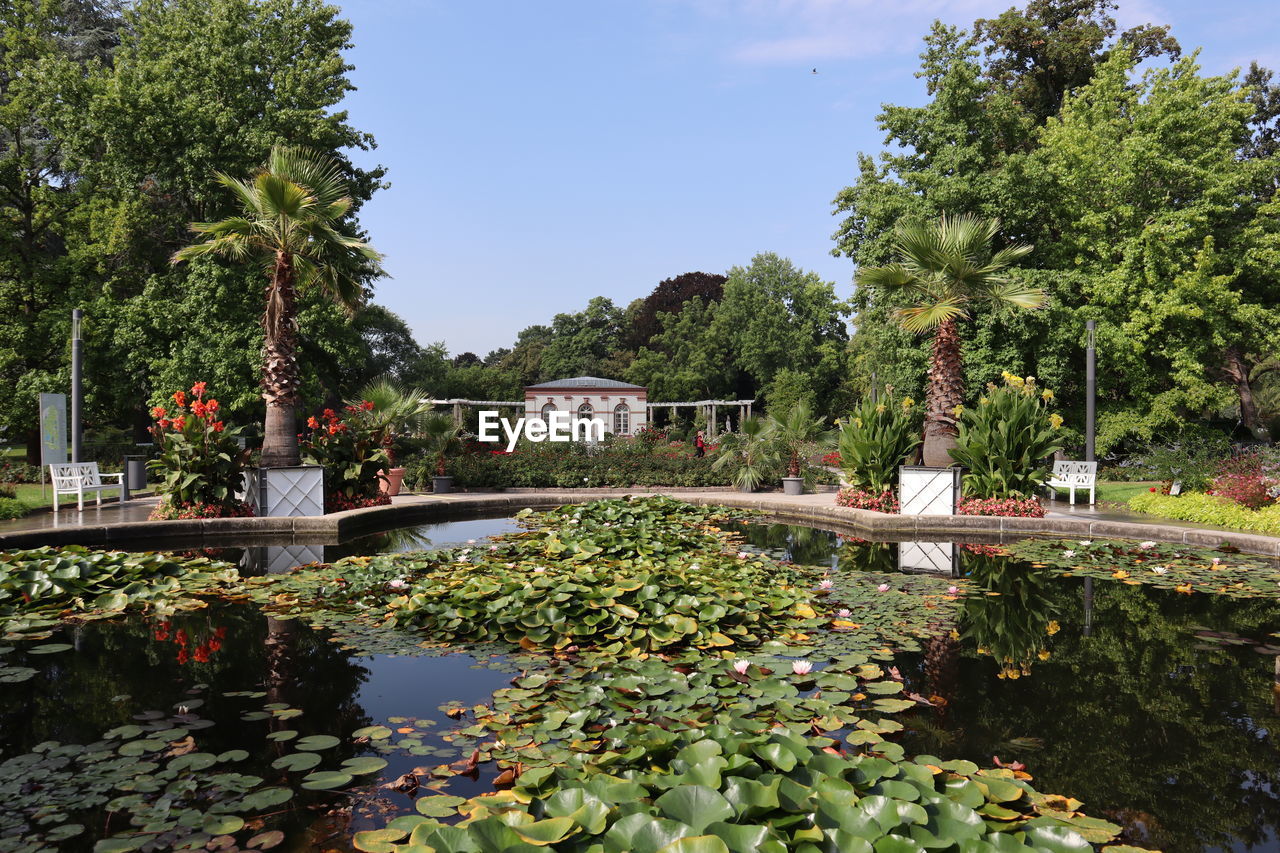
(1011, 507)
(875, 440)
(8, 490)
(19, 472)
(1208, 509)
(200, 463)
(885, 501)
(1006, 440)
(353, 452)
(11, 507)
(1192, 461)
(1248, 478)
(748, 454)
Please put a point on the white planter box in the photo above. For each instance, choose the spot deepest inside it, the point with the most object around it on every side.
(285, 492)
(928, 491)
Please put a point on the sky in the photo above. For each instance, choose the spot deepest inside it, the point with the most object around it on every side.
(541, 153)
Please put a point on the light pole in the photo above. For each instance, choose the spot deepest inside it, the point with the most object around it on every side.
(1090, 392)
(77, 392)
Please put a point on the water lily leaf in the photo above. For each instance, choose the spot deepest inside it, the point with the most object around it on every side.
(50, 648)
(296, 761)
(378, 840)
(697, 844)
(363, 765)
(222, 824)
(442, 805)
(1057, 839)
(120, 844)
(282, 735)
(543, 832)
(373, 732)
(325, 780)
(265, 798)
(265, 840)
(316, 742)
(695, 805)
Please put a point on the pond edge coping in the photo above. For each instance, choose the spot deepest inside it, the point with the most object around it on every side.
(341, 526)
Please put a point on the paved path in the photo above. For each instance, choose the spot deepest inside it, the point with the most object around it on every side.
(127, 527)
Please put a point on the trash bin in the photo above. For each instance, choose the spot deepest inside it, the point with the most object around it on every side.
(135, 473)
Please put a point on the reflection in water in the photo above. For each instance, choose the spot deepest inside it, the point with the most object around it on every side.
(1109, 696)
(941, 558)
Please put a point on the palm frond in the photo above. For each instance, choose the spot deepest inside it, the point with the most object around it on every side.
(924, 318)
(1012, 293)
(281, 197)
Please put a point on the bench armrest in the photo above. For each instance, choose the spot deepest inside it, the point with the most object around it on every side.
(119, 477)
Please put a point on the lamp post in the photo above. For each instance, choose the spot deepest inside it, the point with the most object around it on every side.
(1090, 392)
(77, 391)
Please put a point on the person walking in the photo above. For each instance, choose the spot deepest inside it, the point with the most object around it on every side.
(700, 445)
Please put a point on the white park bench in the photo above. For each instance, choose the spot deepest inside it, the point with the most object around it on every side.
(1073, 475)
(78, 478)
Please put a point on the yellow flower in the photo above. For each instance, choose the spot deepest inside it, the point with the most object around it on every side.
(983, 651)
(880, 409)
(1014, 674)
(857, 422)
(1047, 395)
(958, 411)
(983, 401)
(907, 403)
(1055, 420)
(1052, 628)
(1044, 654)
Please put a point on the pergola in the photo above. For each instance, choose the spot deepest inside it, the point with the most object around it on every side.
(708, 408)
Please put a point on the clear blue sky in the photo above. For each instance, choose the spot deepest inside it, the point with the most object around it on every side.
(541, 153)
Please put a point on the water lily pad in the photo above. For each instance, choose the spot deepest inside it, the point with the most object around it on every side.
(363, 765)
(316, 742)
(50, 648)
(326, 780)
(296, 761)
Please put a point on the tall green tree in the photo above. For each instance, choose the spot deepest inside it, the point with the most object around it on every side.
(943, 269)
(291, 213)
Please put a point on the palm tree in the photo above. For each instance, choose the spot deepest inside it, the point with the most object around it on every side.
(944, 267)
(748, 452)
(289, 215)
(796, 434)
(395, 408)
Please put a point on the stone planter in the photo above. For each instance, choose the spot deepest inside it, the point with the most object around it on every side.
(923, 490)
(442, 485)
(793, 485)
(390, 481)
(285, 492)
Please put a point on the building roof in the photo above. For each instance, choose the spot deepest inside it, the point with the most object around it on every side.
(579, 382)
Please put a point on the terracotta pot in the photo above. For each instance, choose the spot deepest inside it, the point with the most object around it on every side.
(390, 481)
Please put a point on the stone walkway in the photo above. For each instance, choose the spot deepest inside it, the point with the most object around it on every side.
(125, 526)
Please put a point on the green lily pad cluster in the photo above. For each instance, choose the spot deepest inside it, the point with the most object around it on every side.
(46, 582)
(1180, 567)
(738, 786)
(147, 782)
(887, 610)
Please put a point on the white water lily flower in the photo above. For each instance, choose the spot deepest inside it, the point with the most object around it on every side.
(742, 555)
(539, 569)
(801, 667)
(1068, 554)
(1086, 542)
(1148, 544)
(741, 666)
(471, 541)
(1160, 570)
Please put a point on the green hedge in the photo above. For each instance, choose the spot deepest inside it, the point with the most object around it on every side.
(571, 469)
(1207, 509)
(13, 508)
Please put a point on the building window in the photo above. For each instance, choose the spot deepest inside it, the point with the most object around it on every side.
(621, 419)
(585, 412)
(547, 409)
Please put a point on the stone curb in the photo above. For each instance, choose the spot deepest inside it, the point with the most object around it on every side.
(808, 509)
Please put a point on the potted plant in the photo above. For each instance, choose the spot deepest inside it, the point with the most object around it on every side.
(749, 451)
(793, 437)
(396, 410)
(440, 439)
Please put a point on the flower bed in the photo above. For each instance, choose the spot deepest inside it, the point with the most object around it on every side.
(168, 510)
(1008, 507)
(571, 467)
(885, 501)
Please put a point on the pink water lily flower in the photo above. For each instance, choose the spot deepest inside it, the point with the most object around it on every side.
(801, 667)
(844, 613)
(825, 585)
(884, 587)
(741, 666)
(398, 583)
(953, 590)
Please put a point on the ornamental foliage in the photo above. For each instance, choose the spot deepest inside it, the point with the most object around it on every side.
(876, 439)
(351, 448)
(200, 463)
(1006, 441)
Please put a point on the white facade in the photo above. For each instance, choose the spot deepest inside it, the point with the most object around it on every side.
(623, 408)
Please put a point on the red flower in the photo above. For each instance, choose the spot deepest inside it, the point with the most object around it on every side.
(1153, 488)
(158, 412)
(202, 654)
(217, 426)
(180, 398)
(181, 638)
(180, 423)
(164, 423)
(211, 405)
(215, 645)
(221, 632)
(367, 405)
(198, 409)
(329, 414)
(312, 423)
(183, 657)
(198, 389)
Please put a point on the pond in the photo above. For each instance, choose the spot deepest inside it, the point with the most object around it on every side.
(1154, 707)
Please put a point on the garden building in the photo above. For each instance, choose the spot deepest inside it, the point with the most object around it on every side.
(623, 407)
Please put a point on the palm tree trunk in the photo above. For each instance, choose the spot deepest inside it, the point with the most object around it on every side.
(945, 391)
(280, 379)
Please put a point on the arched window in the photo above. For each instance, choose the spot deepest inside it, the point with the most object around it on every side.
(585, 412)
(547, 409)
(622, 419)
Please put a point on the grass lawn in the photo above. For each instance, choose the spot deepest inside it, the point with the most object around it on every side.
(1117, 492)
